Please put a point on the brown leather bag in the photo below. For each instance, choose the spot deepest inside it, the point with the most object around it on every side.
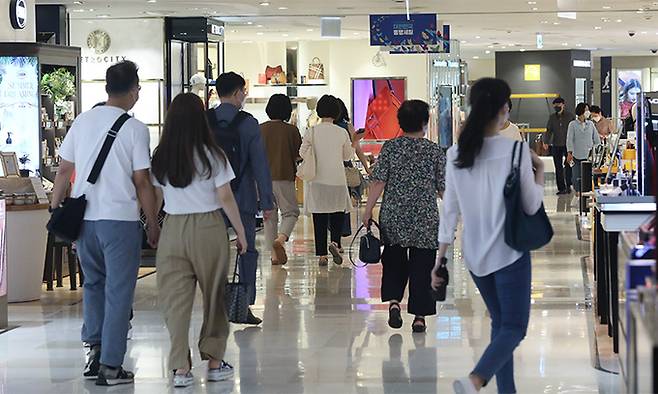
(271, 71)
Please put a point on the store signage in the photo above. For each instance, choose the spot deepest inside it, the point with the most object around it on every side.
(99, 42)
(582, 63)
(217, 30)
(394, 30)
(532, 72)
(19, 108)
(540, 41)
(606, 85)
(18, 14)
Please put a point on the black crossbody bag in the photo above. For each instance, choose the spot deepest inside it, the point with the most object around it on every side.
(66, 221)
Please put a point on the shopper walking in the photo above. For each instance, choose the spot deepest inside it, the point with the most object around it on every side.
(582, 136)
(194, 175)
(326, 196)
(111, 238)
(282, 142)
(253, 183)
(410, 172)
(603, 125)
(476, 172)
(345, 123)
(556, 138)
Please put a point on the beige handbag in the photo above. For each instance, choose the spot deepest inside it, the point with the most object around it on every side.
(306, 170)
(353, 176)
(316, 69)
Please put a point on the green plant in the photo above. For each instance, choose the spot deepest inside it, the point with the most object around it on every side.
(59, 85)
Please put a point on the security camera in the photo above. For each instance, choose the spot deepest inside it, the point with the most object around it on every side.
(654, 51)
(631, 33)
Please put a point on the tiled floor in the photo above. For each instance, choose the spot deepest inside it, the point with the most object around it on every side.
(325, 332)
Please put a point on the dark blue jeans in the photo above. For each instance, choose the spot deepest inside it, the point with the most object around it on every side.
(249, 261)
(507, 295)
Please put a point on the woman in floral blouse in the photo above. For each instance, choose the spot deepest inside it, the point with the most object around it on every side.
(410, 171)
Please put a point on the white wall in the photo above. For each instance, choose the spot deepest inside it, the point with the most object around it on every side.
(481, 68)
(251, 59)
(7, 32)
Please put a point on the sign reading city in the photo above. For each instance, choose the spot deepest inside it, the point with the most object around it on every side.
(18, 14)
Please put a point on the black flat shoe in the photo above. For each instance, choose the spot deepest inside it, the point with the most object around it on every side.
(394, 316)
(253, 320)
(419, 328)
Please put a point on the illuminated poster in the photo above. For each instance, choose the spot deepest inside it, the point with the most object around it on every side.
(445, 116)
(19, 108)
(628, 87)
(3, 250)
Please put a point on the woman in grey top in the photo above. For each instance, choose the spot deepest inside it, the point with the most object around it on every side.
(410, 171)
(582, 136)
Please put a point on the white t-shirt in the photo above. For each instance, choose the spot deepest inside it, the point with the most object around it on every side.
(512, 132)
(114, 196)
(200, 196)
(477, 194)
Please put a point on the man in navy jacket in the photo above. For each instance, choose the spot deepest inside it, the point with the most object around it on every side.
(255, 184)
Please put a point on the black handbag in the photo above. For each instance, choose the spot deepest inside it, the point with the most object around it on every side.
(442, 272)
(523, 232)
(236, 298)
(346, 229)
(370, 247)
(66, 220)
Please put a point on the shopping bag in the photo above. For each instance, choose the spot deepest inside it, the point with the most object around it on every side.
(236, 296)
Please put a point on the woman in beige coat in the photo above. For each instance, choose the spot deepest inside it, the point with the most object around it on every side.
(326, 196)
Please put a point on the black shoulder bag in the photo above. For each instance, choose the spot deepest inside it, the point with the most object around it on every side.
(370, 247)
(66, 221)
(523, 232)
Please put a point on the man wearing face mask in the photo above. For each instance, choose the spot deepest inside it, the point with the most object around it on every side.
(253, 180)
(556, 138)
(603, 124)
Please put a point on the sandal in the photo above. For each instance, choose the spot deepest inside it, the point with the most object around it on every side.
(324, 261)
(419, 328)
(394, 315)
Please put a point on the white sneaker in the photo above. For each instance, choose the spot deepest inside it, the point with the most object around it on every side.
(224, 372)
(184, 380)
(464, 386)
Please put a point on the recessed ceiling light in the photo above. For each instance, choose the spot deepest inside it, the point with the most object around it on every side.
(565, 44)
(491, 46)
(606, 7)
(77, 2)
(503, 47)
(264, 4)
(522, 49)
(464, 42)
(152, 1)
(285, 34)
(283, 8)
(250, 23)
(544, 22)
(619, 21)
(579, 45)
(103, 16)
(532, 2)
(260, 26)
(247, 42)
(487, 51)
(556, 23)
(643, 32)
(309, 29)
(260, 33)
(356, 33)
(535, 8)
(78, 10)
(477, 37)
(476, 57)
(597, 28)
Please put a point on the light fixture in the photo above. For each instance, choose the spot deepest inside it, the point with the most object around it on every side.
(487, 51)
(643, 32)
(491, 46)
(544, 22)
(152, 1)
(477, 37)
(250, 23)
(532, 2)
(476, 57)
(522, 50)
(503, 47)
(464, 42)
(103, 16)
(283, 8)
(597, 28)
(309, 30)
(619, 21)
(565, 44)
(77, 2)
(606, 7)
(556, 23)
(535, 8)
(260, 26)
(247, 42)
(285, 34)
(260, 33)
(356, 33)
(264, 4)
(579, 45)
(234, 31)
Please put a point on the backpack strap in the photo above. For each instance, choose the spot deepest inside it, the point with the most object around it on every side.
(105, 149)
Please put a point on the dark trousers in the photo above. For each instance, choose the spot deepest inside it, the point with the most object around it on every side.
(507, 295)
(249, 261)
(323, 222)
(563, 175)
(402, 265)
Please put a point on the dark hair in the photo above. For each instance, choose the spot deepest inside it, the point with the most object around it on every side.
(559, 100)
(509, 105)
(580, 108)
(631, 84)
(487, 97)
(121, 78)
(185, 136)
(328, 107)
(344, 113)
(279, 107)
(413, 115)
(228, 83)
(595, 109)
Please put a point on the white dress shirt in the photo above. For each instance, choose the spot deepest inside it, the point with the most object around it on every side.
(477, 194)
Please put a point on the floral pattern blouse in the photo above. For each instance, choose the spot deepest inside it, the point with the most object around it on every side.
(414, 172)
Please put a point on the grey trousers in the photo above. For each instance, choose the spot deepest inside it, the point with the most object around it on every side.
(285, 198)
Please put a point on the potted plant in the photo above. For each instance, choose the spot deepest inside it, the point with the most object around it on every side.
(25, 173)
(60, 86)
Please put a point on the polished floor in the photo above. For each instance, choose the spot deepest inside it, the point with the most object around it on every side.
(325, 331)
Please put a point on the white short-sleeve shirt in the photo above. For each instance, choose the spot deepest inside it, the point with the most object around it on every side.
(114, 196)
(200, 196)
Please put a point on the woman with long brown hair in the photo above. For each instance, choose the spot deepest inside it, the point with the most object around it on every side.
(195, 177)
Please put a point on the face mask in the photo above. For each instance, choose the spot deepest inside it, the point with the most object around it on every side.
(596, 118)
(587, 114)
(557, 109)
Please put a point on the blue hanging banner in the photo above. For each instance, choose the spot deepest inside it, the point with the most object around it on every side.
(606, 85)
(397, 30)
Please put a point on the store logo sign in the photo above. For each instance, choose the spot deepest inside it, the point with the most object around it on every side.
(99, 41)
(217, 30)
(18, 14)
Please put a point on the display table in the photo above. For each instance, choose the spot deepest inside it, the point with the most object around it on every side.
(613, 215)
(26, 251)
(643, 348)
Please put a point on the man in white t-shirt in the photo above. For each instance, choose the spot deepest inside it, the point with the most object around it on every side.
(111, 239)
(510, 130)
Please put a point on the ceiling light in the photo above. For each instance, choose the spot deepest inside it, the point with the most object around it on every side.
(103, 16)
(487, 51)
(77, 2)
(643, 32)
(285, 34)
(260, 33)
(264, 4)
(477, 37)
(260, 26)
(556, 23)
(309, 30)
(532, 2)
(565, 44)
(503, 47)
(579, 45)
(597, 28)
(247, 42)
(234, 31)
(356, 33)
(78, 10)
(464, 42)
(152, 1)
(283, 8)
(250, 23)
(522, 49)
(619, 21)
(535, 8)
(544, 22)
(606, 7)
(476, 57)
(491, 46)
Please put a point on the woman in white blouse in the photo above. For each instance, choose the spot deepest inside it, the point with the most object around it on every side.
(327, 196)
(476, 171)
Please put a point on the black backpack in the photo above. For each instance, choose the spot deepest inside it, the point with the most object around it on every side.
(227, 137)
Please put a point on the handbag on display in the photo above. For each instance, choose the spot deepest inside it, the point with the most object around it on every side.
(236, 297)
(279, 78)
(270, 71)
(370, 247)
(382, 116)
(316, 69)
(523, 232)
(66, 221)
(306, 170)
